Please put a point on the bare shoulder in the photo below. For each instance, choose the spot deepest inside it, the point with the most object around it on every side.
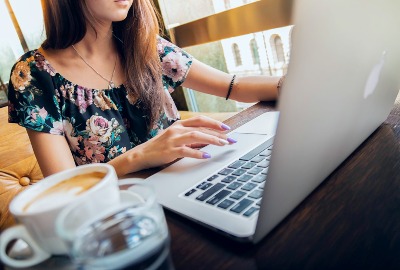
(60, 59)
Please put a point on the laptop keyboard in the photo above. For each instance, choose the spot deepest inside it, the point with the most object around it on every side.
(238, 187)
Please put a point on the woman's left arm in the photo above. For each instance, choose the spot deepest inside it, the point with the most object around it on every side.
(206, 79)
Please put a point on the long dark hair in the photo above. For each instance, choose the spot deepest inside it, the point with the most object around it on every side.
(65, 25)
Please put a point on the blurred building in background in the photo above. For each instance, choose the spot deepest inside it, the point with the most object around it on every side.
(261, 53)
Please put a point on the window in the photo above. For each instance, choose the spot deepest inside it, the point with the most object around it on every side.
(176, 12)
(212, 32)
(227, 4)
(30, 22)
(236, 54)
(280, 55)
(254, 52)
(10, 46)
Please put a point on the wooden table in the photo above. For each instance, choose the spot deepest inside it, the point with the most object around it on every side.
(350, 221)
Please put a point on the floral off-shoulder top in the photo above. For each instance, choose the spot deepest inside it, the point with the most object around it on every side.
(98, 124)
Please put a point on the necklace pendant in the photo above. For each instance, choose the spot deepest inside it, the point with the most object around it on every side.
(111, 85)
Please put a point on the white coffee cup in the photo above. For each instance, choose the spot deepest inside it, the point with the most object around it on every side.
(130, 235)
(36, 216)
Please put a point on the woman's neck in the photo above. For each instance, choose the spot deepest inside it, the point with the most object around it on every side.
(97, 41)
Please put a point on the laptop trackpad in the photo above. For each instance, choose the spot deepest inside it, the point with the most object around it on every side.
(265, 124)
(197, 169)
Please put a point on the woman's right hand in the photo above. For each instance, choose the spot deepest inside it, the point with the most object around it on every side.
(181, 139)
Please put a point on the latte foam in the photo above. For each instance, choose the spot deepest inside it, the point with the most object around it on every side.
(64, 191)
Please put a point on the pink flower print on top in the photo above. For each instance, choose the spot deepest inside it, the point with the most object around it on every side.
(58, 128)
(160, 48)
(42, 64)
(100, 127)
(67, 91)
(94, 151)
(35, 114)
(84, 98)
(169, 107)
(174, 65)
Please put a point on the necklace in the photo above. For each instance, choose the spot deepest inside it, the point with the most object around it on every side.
(110, 82)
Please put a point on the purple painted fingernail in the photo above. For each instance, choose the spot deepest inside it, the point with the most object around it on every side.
(231, 140)
(225, 127)
(206, 155)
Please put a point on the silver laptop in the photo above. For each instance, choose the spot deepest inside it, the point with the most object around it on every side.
(342, 81)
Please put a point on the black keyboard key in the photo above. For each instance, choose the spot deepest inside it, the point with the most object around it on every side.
(245, 178)
(215, 176)
(240, 206)
(237, 195)
(259, 178)
(257, 159)
(251, 211)
(256, 151)
(249, 165)
(249, 186)
(255, 170)
(225, 171)
(263, 164)
(228, 179)
(204, 185)
(234, 185)
(205, 195)
(239, 172)
(218, 197)
(226, 203)
(237, 164)
(190, 192)
(256, 194)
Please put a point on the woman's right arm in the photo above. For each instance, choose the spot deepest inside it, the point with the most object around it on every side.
(51, 151)
(179, 140)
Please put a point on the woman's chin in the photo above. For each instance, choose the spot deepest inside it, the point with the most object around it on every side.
(119, 17)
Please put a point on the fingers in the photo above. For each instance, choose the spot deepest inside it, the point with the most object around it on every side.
(197, 145)
(181, 138)
(198, 137)
(192, 153)
(211, 132)
(201, 124)
(204, 122)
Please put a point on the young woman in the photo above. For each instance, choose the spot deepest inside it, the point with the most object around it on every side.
(98, 90)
